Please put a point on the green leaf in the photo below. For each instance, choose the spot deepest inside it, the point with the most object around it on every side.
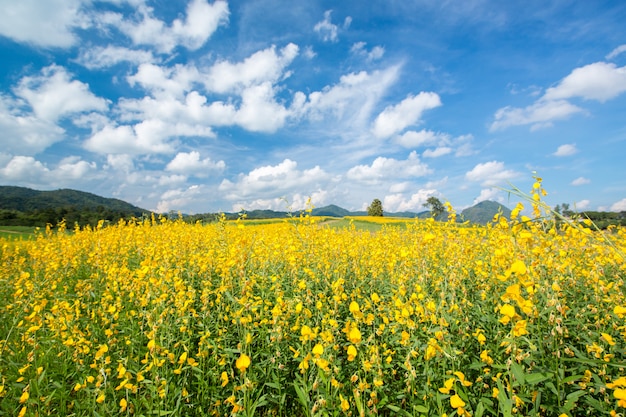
(537, 377)
(302, 397)
(518, 372)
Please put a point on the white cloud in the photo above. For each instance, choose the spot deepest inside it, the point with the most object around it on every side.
(262, 66)
(176, 198)
(146, 137)
(582, 204)
(619, 206)
(389, 168)
(201, 21)
(413, 139)
(47, 23)
(352, 99)
(488, 194)
(27, 171)
(599, 81)
(490, 173)
(359, 49)
(566, 150)
(326, 29)
(160, 80)
(540, 114)
(259, 111)
(437, 152)
(292, 202)
(415, 203)
(615, 52)
(23, 133)
(53, 94)
(99, 57)
(406, 113)
(274, 181)
(581, 181)
(189, 163)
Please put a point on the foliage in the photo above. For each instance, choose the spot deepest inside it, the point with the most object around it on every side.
(25, 207)
(375, 209)
(435, 206)
(520, 317)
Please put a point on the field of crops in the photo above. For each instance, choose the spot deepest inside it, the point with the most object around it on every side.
(163, 318)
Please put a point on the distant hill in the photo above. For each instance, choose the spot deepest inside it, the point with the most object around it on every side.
(332, 211)
(483, 212)
(24, 206)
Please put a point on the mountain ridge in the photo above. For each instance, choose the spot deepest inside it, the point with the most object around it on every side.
(27, 200)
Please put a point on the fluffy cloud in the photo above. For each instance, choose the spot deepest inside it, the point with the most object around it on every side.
(581, 181)
(488, 194)
(352, 99)
(189, 163)
(490, 174)
(274, 181)
(328, 31)
(619, 206)
(260, 67)
(104, 57)
(146, 137)
(53, 94)
(406, 113)
(201, 21)
(582, 204)
(47, 23)
(26, 170)
(398, 202)
(374, 54)
(23, 133)
(566, 150)
(540, 114)
(389, 168)
(600, 81)
(437, 152)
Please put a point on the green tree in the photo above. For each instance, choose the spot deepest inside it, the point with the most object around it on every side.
(435, 206)
(375, 209)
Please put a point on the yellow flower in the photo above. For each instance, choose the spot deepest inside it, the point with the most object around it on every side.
(345, 405)
(22, 412)
(462, 379)
(508, 312)
(447, 386)
(456, 401)
(100, 398)
(608, 338)
(354, 307)
(351, 353)
(355, 335)
(123, 405)
(318, 350)
(24, 397)
(243, 362)
(306, 332)
(520, 328)
(224, 378)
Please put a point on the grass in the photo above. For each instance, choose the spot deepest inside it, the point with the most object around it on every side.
(17, 232)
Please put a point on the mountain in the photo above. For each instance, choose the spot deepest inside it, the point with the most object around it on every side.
(21, 206)
(483, 212)
(332, 211)
(25, 199)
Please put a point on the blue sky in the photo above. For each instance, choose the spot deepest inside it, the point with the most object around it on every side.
(203, 106)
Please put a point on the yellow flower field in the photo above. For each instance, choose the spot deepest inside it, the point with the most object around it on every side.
(294, 318)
